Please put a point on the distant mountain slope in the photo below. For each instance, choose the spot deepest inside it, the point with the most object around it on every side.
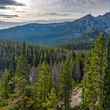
(59, 33)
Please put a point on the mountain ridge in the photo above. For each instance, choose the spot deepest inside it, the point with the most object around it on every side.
(58, 33)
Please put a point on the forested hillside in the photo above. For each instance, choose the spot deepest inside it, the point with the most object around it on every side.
(37, 78)
(41, 78)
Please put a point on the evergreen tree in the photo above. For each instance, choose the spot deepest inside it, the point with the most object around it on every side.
(93, 86)
(43, 85)
(21, 75)
(21, 99)
(52, 100)
(6, 84)
(12, 64)
(17, 93)
(107, 81)
(23, 68)
(66, 82)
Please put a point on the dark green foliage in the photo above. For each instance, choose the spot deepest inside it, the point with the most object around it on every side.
(45, 94)
(94, 77)
(66, 82)
(50, 84)
(46, 87)
(6, 85)
(35, 55)
(22, 68)
(107, 81)
(43, 85)
(38, 78)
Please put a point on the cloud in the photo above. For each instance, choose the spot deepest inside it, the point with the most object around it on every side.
(51, 9)
(4, 3)
(79, 6)
(8, 16)
(52, 14)
(3, 7)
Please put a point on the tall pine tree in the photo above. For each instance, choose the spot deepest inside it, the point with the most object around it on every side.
(22, 74)
(107, 81)
(23, 68)
(43, 86)
(66, 82)
(93, 89)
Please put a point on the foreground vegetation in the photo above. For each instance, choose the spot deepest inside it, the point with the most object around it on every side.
(37, 78)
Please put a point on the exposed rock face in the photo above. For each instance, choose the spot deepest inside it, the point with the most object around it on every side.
(76, 97)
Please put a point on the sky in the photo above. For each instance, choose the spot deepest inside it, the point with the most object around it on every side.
(39, 10)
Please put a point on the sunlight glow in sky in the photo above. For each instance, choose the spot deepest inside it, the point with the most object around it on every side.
(29, 10)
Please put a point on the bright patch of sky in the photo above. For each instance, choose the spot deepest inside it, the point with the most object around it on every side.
(29, 10)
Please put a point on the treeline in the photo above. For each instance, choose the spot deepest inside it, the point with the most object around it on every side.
(37, 78)
(10, 51)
